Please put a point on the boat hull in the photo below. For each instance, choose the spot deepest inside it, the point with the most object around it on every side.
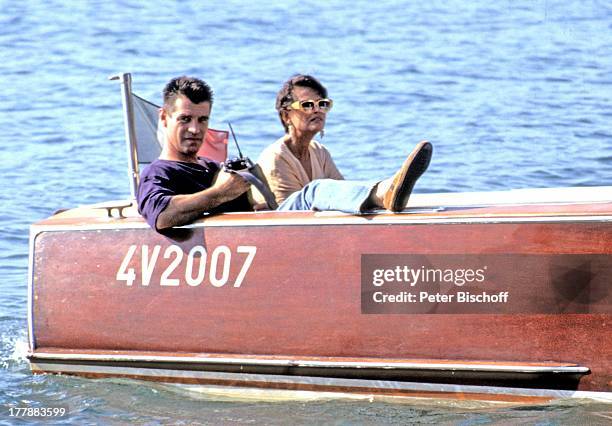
(333, 288)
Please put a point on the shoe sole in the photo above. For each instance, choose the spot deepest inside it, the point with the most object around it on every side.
(411, 170)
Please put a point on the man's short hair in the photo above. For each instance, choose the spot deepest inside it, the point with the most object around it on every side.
(285, 96)
(196, 90)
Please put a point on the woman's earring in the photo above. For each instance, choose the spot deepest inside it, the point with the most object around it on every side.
(322, 133)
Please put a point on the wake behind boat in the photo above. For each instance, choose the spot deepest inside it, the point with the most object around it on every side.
(488, 296)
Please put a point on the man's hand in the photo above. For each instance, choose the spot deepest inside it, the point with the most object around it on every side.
(230, 185)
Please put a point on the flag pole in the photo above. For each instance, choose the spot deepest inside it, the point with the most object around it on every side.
(130, 129)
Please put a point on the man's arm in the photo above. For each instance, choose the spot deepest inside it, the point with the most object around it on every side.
(184, 209)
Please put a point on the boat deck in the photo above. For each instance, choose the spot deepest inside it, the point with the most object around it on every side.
(547, 204)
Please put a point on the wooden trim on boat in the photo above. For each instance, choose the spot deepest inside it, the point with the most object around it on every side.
(272, 219)
(372, 388)
(189, 367)
(320, 362)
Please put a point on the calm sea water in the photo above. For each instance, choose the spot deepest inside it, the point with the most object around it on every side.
(513, 94)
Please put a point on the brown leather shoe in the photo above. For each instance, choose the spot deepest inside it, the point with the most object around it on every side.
(397, 195)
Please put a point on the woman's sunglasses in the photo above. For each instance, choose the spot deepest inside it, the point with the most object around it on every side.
(308, 105)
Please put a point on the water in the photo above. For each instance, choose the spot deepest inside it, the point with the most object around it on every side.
(512, 94)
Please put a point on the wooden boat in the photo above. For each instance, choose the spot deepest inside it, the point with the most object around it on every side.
(288, 300)
(489, 296)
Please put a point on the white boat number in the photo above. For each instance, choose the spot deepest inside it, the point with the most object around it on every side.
(194, 266)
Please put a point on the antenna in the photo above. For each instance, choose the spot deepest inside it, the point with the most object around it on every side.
(235, 140)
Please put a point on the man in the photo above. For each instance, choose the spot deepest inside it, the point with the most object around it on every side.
(180, 187)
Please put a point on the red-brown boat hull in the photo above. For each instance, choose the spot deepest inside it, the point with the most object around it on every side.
(303, 293)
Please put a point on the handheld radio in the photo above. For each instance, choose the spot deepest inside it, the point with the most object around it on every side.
(250, 171)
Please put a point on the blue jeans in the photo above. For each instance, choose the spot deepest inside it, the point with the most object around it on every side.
(329, 194)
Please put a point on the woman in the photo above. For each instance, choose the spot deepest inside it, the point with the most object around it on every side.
(296, 159)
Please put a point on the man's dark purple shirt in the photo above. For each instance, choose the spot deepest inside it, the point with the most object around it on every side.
(163, 179)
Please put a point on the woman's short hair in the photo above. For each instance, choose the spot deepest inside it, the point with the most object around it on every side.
(285, 96)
